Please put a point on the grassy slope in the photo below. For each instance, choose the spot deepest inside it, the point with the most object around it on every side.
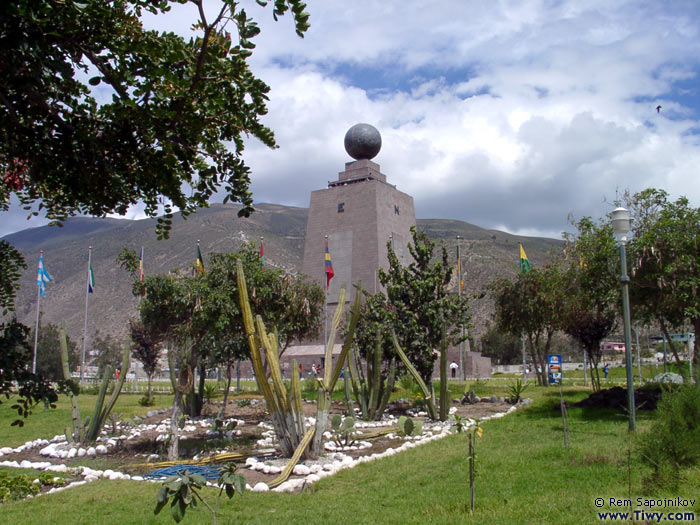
(524, 476)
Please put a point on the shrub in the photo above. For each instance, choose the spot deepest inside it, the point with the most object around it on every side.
(144, 402)
(673, 441)
(406, 382)
(16, 487)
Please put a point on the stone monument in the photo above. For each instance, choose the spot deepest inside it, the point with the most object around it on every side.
(359, 213)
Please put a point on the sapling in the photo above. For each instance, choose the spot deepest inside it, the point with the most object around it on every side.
(462, 425)
(183, 491)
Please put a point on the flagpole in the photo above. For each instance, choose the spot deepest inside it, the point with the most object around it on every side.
(36, 326)
(141, 278)
(522, 332)
(459, 290)
(325, 306)
(87, 295)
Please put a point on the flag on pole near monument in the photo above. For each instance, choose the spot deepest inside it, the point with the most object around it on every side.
(200, 262)
(329, 267)
(42, 277)
(90, 280)
(524, 263)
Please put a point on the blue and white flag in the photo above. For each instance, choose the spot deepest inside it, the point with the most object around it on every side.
(42, 277)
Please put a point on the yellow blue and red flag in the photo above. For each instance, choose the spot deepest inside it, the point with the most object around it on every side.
(329, 267)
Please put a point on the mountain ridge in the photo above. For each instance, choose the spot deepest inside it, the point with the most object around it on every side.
(486, 254)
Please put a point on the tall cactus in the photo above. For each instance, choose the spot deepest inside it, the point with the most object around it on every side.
(89, 430)
(428, 395)
(78, 429)
(331, 372)
(102, 411)
(284, 406)
(370, 389)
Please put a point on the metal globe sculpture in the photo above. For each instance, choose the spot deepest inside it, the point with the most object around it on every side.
(363, 141)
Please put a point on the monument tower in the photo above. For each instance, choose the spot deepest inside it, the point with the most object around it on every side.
(359, 213)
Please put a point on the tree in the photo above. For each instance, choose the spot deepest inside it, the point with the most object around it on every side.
(590, 289)
(166, 314)
(503, 348)
(425, 316)
(145, 350)
(290, 305)
(48, 353)
(109, 353)
(152, 124)
(11, 263)
(160, 120)
(666, 259)
(199, 316)
(15, 376)
(530, 304)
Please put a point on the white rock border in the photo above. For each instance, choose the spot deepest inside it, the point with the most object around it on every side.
(311, 473)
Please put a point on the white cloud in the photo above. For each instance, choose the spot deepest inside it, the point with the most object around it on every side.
(509, 115)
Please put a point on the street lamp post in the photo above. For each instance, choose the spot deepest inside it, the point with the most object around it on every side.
(621, 227)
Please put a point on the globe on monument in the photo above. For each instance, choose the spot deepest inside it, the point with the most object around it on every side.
(363, 141)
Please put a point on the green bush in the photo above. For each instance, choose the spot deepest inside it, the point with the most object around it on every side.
(309, 387)
(673, 441)
(16, 487)
(406, 382)
(144, 402)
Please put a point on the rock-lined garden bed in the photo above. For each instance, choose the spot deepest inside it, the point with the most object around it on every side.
(138, 444)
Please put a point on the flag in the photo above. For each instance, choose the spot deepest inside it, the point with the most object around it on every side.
(90, 280)
(524, 263)
(42, 277)
(200, 262)
(329, 268)
(142, 276)
(262, 255)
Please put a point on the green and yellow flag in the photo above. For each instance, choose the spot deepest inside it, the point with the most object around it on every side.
(200, 262)
(524, 263)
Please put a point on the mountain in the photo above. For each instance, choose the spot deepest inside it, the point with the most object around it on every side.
(486, 254)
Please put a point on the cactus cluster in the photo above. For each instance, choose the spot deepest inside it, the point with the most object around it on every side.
(408, 427)
(343, 430)
(371, 390)
(284, 404)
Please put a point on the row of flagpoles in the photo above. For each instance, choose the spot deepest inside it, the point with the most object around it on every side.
(43, 278)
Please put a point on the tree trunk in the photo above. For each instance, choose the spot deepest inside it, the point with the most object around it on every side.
(150, 388)
(173, 447)
(228, 386)
(671, 344)
(696, 355)
(593, 361)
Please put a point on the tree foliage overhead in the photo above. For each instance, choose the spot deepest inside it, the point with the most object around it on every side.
(98, 113)
(12, 263)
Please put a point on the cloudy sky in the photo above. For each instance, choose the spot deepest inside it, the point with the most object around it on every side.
(508, 115)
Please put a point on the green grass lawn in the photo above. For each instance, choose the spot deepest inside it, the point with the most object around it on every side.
(524, 475)
(46, 424)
